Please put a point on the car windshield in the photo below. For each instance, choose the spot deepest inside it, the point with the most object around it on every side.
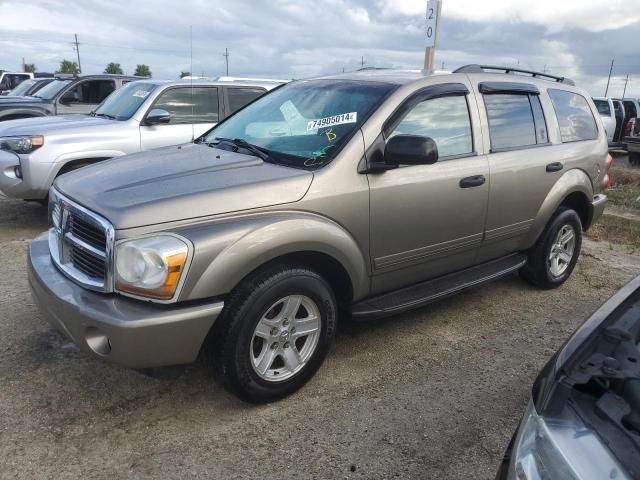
(303, 124)
(49, 91)
(22, 88)
(123, 103)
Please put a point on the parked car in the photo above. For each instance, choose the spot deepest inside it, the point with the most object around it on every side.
(583, 418)
(27, 88)
(606, 110)
(10, 80)
(365, 193)
(140, 116)
(66, 94)
(631, 141)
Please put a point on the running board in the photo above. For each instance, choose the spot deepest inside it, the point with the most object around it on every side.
(427, 292)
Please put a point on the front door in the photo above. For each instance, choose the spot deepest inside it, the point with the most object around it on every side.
(193, 110)
(427, 220)
(85, 96)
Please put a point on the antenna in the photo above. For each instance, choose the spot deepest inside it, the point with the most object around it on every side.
(193, 134)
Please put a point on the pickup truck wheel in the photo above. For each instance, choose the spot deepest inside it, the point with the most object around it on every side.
(274, 333)
(554, 256)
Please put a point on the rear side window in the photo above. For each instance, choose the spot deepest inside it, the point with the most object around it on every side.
(239, 97)
(630, 109)
(445, 120)
(190, 105)
(603, 107)
(515, 121)
(574, 116)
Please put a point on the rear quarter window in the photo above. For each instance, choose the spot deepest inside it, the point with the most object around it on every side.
(603, 107)
(575, 118)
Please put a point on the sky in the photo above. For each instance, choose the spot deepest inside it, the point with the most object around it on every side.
(304, 38)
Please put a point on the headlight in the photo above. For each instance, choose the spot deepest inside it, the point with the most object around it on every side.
(151, 267)
(23, 144)
(560, 448)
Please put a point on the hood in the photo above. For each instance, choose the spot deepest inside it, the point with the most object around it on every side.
(6, 101)
(180, 183)
(51, 124)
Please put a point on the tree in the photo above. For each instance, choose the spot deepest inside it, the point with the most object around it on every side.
(67, 66)
(185, 74)
(114, 68)
(142, 70)
(30, 67)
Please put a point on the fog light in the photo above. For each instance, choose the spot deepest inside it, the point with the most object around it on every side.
(17, 170)
(98, 341)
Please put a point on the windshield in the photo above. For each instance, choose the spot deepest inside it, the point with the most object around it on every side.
(123, 103)
(21, 89)
(303, 124)
(49, 91)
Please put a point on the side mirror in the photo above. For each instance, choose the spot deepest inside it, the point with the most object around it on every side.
(158, 116)
(70, 97)
(410, 150)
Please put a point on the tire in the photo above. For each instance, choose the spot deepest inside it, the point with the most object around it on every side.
(543, 271)
(254, 344)
(634, 158)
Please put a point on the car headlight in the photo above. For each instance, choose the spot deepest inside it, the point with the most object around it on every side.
(21, 144)
(152, 266)
(560, 448)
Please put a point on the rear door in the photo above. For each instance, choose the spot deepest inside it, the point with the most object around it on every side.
(193, 110)
(618, 109)
(237, 97)
(85, 96)
(524, 162)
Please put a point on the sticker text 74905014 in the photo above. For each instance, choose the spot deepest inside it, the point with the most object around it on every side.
(343, 118)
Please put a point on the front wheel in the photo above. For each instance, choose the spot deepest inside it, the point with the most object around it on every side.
(554, 256)
(274, 333)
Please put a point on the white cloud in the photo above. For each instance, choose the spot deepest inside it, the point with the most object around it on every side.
(554, 15)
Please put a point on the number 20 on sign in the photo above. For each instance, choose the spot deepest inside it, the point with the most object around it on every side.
(431, 23)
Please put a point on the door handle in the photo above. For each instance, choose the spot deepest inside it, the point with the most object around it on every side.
(474, 181)
(554, 167)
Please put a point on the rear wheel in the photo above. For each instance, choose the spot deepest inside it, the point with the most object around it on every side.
(553, 258)
(274, 333)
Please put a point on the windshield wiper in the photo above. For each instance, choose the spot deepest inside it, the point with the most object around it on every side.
(105, 115)
(239, 142)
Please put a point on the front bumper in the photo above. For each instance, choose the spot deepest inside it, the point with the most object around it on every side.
(128, 332)
(13, 186)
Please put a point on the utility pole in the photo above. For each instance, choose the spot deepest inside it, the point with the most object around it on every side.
(23, 65)
(432, 27)
(77, 47)
(625, 86)
(362, 62)
(609, 79)
(226, 59)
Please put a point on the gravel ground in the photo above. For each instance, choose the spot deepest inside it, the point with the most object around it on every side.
(436, 393)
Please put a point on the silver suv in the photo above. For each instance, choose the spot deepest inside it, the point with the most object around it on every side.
(140, 116)
(359, 195)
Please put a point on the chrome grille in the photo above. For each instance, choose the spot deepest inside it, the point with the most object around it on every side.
(80, 243)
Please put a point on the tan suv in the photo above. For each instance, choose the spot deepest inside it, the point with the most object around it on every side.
(364, 194)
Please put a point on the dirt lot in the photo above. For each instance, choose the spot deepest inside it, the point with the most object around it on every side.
(431, 394)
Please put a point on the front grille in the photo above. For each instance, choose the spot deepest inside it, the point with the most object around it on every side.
(87, 232)
(81, 243)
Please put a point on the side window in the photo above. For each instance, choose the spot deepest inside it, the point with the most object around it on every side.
(515, 121)
(630, 109)
(90, 92)
(239, 97)
(603, 107)
(190, 105)
(445, 119)
(574, 116)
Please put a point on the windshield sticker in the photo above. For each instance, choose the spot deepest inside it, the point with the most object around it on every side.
(141, 94)
(332, 121)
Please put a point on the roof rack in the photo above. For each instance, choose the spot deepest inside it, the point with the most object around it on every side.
(473, 68)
